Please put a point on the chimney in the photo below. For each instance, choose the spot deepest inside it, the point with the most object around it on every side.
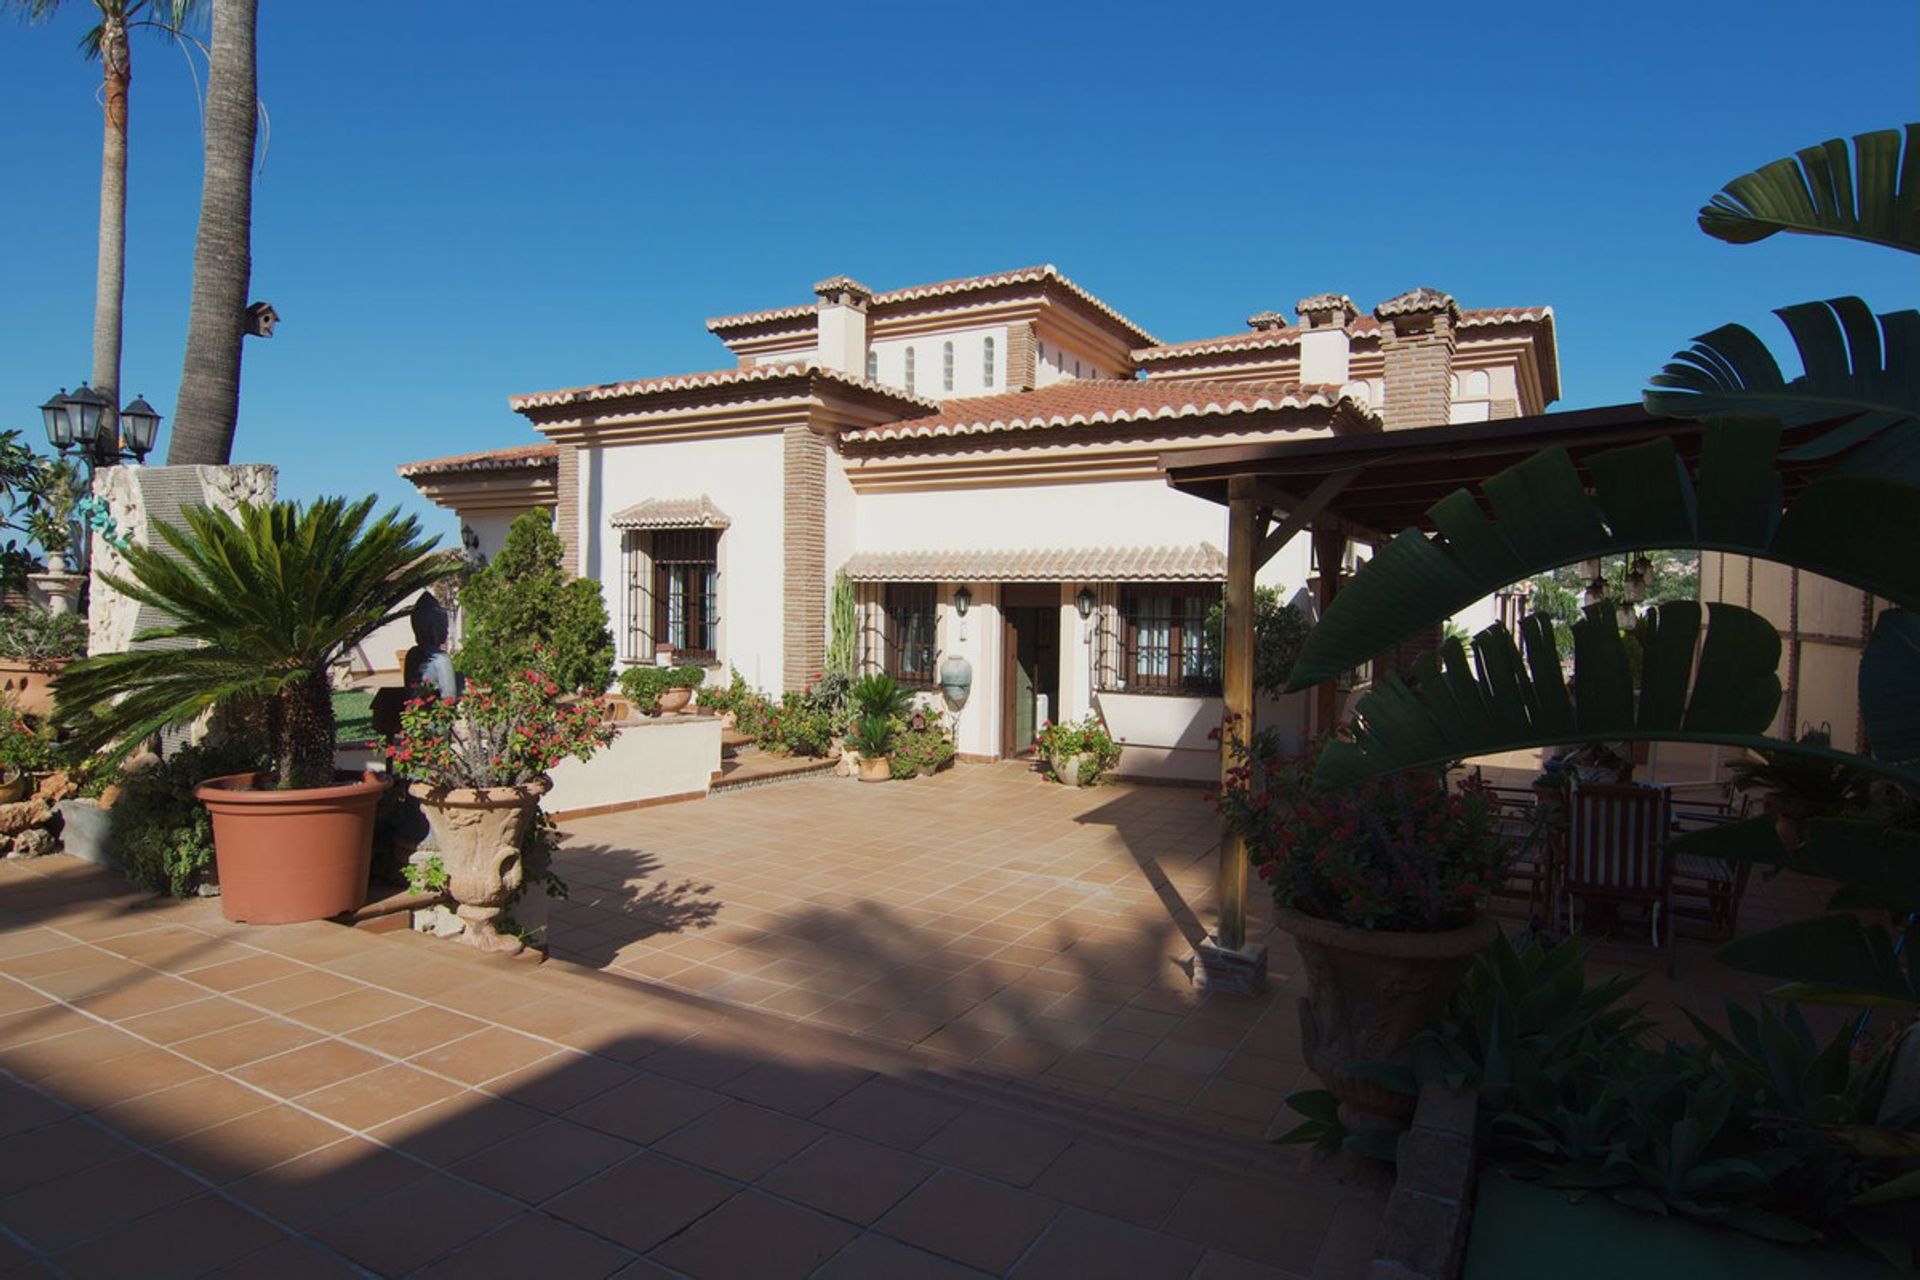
(1417, 333)
(1263, 321)
(1326, 338)
(842, 344)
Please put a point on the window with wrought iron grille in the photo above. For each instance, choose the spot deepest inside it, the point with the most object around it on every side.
(910, 641)
(684, 610)
(1166, 644)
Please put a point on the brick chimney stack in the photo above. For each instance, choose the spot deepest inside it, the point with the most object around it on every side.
(1326, 338)
(1418, 330)
(843, 325)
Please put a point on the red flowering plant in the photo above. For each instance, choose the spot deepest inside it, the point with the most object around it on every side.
(503, 736)
(1399, 853)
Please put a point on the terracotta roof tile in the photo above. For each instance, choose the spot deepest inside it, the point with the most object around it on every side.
(945, 288)
(1098, 401)
(671, 513)
(1202, 562)
(1261, 339)
(527, 456)
(716, 378)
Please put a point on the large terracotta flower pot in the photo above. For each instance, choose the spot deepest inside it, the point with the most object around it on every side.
(876, 768)
(288, 856)
(672, 701)
(1369, 992)
(30, 682)
(482, 834)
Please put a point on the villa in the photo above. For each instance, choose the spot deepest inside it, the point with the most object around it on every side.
(983, 459)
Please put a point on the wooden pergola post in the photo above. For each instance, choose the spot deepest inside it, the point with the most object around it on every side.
(1236, 687)
(1329, 551)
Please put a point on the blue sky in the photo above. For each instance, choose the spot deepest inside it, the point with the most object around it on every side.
(462, 202)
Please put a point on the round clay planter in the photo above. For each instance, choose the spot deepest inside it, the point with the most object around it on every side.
(481, 832)
(875, 768)
(1369, 992)
(672, 701)
(30, 682)
(1074, 771)
(288, 856)
(15, 787)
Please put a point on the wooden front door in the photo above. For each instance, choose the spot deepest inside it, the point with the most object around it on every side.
(1031, 683)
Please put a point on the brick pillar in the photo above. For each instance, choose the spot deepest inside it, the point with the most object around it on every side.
(1020, 357)
(1417, 335)
(804, 613)
(566, 508)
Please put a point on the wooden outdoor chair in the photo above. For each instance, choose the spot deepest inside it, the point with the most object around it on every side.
(1617, 853)
(1710, 889)
(1530, 843)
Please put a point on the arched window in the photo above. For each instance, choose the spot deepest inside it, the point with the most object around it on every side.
(1076, 367)
(986, 362)
(946, 366)
(873, 366)
(909, 368)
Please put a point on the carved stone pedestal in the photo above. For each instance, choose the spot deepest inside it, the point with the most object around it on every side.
(1241, 972)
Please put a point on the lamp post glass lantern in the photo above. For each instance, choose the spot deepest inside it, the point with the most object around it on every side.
(84, 419)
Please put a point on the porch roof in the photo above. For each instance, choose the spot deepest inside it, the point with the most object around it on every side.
(671, 513)
(1200, 562)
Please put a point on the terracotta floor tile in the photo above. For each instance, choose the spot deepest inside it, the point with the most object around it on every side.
(413, 1225)
(42, 1023)
(1111, 1181)
(238, 1148)
(23, 1110)
(848, 1178)
(310, 1067)
(484, 1055)
(878, 1258)
(560, 1082)
(740, 1140)
(642, 1202)
(457, 1127)
(286, 995)
(703, 1060)
(1236, 1215)
(291, 1259)
(1215, 1265)
(375, 1097)
(1083, 1244)
(412, 1033)
(187, 1240)
(53, 1056)
(238, 975)
(145, 995)
(543, 1161)
(322, 1182)
(194, 1018)
(16, 996)
(886, 1112)
(531, 1245)
(355, 1009)
(60, 1212)
(645, 1109)
(755, 1237)
(1000, 1145)
(971, 1220)
(248, 1042)
(55, 1150)
(186, 1108)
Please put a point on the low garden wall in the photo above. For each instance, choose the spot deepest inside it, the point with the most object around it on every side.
(652, 760)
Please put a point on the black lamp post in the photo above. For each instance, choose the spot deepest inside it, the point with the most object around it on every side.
(84, 419)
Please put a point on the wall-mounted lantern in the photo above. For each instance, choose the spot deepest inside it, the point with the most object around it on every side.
(1084, 602)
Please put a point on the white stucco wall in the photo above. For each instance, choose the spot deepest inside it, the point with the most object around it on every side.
(969, 364)
(744, 477)
(651, 760)
(491, 527)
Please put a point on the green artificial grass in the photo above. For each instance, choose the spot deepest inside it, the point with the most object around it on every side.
(353, 715)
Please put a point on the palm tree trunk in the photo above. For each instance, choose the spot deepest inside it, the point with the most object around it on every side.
(209, 401)
(110, 277)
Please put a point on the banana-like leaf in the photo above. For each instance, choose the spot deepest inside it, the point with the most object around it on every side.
(1855, 528)
(1890, 688)
(1498, 701)
(1873, 195)
(1860, 370)
(1834, 958)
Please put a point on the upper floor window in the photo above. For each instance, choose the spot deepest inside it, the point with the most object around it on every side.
(986, 362)
(946, 366)
(1040, 349)
(1166, 642)
(873, 366)
(1076, 367)
(910, 632)
(909, 368)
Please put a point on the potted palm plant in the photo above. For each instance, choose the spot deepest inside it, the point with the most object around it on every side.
(264, 602)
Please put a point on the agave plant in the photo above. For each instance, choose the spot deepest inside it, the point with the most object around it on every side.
(263, 602)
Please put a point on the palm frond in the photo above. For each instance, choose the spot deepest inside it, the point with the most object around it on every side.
(1872, 194)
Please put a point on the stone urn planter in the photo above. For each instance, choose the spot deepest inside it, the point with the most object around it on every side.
(1368, 993)
(294, 855)
(672, 701)
(30, 682)
(876, 768)
(1075, 771)
(483, 833)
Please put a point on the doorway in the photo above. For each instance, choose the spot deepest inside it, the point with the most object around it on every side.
(1031, 691)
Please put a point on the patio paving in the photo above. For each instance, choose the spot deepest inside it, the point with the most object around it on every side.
(1001, 926)
(182, 1096)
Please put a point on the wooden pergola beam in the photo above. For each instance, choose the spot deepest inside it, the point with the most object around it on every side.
(1301, 515)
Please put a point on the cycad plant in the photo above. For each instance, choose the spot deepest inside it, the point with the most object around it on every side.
(264, 601)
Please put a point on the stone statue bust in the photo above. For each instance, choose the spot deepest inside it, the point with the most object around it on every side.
(427, 662)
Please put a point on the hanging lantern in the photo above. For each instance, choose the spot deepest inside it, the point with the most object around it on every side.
(1596, 592)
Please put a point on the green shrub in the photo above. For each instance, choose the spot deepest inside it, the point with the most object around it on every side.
(162, 834)
(871, 735)
(797, 726)
(1088, 738)
(523, 610)
(34, 634)
(27, 744)
(1279, 632)
(880, 695)
(918, 751)
(644, 685)
(721, 699)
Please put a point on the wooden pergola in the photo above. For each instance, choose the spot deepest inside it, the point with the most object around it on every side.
(1367, 488)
